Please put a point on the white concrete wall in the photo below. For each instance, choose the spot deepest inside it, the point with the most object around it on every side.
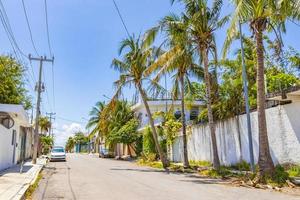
(283, 124)
(6, 147)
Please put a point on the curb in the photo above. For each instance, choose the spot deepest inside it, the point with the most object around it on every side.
(26, 187)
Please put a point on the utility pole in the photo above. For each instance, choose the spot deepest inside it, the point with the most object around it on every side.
(245, 86)
(50, 117)
(40, 89)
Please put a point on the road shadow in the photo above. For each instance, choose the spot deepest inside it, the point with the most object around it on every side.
(138, 170)
(15, 169)
(193, 178)
(189, 177)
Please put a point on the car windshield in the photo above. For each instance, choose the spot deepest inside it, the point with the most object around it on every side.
(58, 150)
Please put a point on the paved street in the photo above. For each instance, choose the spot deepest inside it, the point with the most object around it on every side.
(88, 177)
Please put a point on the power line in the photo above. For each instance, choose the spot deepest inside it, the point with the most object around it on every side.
(294, 23)
(53, 87)
(47, 94)
(50, 51)
(47, 27)
(7, 33)
(69, 120)
(15, 47)
(123, 22)
(8, 27)
(29, 28)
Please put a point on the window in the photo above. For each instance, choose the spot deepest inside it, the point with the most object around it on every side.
(194, 113)
(177, 114)
(13, 137)
(6, 120)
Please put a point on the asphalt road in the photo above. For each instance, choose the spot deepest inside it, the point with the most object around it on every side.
(88, 177)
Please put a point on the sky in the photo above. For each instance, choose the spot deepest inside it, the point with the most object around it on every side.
(84, 36)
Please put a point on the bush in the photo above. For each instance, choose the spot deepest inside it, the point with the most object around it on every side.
(200, 163)
(294, 171)
(242, 166)
(139, 145)
(223, 172)
(279, 177)
(148, 142)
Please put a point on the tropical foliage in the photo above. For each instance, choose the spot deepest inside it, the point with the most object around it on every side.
(46, 143)
(44, 125)
(70, 144)
(261, 16)
(12, 82)
(189, 55)
(95, 115)
(137, 57)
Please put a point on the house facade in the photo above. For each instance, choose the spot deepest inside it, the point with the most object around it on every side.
(16, 135)
(191, 110)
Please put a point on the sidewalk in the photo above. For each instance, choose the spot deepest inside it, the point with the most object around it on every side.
(13, 185)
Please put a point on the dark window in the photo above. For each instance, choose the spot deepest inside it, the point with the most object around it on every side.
(177, 114)
(194, 113)
(13, 137)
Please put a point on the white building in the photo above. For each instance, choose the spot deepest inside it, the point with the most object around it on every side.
(191, 110)
(16, 135)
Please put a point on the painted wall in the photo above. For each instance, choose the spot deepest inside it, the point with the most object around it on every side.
(283, 123)
(7, 147)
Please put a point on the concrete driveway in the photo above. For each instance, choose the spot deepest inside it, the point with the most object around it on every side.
(88, 177)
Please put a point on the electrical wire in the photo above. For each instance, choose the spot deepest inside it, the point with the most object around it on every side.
(294, 22)
(50, 51)
(9, 29)
(69, 120)
(47, 27)
(120, 15)
(29, 28)
(53, 87)
(47, 94)
(10, 37)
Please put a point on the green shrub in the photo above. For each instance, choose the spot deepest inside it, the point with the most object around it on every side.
(148, 142)
(242, 166)
(139, 146)
(200, 163)
(294, 171)
(223, 172)
(278, 178)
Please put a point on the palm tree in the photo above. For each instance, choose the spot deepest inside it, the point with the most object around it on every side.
(202, 23)
(135, 61)
(262, 15)
(94, 120)
(179, 59)
(44, 124)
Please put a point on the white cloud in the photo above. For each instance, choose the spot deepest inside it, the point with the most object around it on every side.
(67, 130)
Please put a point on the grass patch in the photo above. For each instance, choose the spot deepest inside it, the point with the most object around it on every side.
(31, 189)
(294, 171)
(223, 172)
(242, 166)
(149, 163)
(200, 163)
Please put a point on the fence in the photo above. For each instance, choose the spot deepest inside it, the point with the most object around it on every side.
(283, 123)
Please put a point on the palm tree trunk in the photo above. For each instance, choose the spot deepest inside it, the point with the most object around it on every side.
(265, 161)
(216, 161)
(162, 155)
(185, 152)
